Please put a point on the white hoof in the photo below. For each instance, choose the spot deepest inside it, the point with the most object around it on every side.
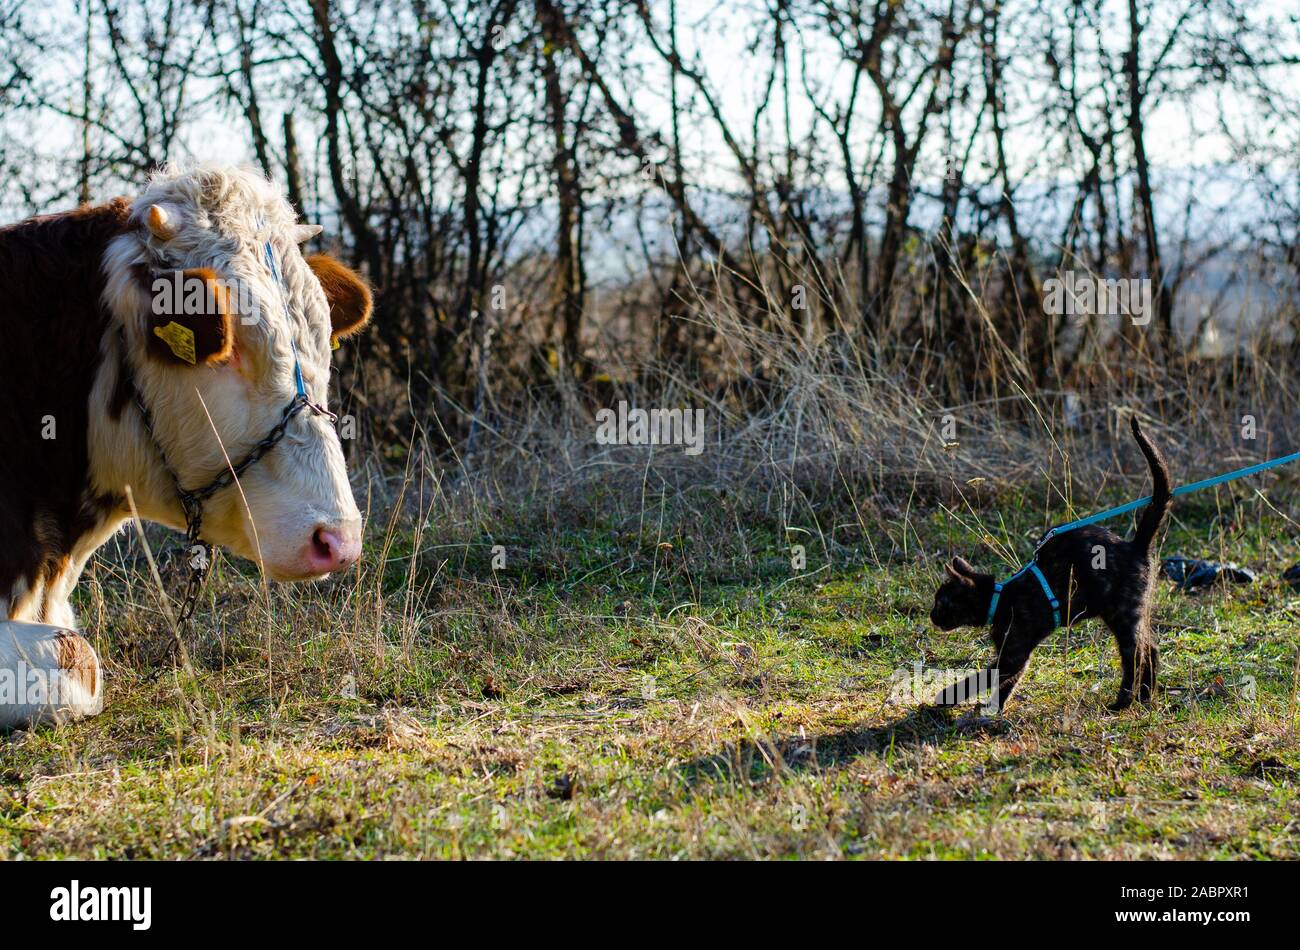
(47, 674)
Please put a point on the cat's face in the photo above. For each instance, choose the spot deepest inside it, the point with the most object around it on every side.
(960, 601)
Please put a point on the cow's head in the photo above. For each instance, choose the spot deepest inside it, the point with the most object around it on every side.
(211, 335)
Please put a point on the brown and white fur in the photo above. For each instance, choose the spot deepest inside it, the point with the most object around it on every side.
(77, 312)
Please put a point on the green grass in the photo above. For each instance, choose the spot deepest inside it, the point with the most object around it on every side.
(663, 687)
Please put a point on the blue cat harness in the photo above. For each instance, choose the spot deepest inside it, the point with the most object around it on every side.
(1031, 568)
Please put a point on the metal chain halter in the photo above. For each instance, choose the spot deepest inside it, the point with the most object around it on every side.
(192, 500)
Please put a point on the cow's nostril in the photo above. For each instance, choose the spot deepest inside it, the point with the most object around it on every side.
(331, 549)
(321, 544)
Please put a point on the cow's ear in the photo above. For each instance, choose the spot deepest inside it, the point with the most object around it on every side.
(349, 297)
(190, 322)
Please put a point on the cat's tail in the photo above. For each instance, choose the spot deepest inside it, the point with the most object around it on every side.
(1154, 515)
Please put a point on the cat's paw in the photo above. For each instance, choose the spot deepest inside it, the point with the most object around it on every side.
(1123, 701)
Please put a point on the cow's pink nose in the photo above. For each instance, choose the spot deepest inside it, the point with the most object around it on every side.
(332, 550)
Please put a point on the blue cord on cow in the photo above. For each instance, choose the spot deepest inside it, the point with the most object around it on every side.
(274, 266)
(1032, 566)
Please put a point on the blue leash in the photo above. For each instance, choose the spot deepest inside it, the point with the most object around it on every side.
(1180, 490)
(1111, 513)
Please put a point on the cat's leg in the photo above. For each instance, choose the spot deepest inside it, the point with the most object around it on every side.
(1002, 675)
(1014, 645)
(987, 685)
(48, 673)
(977, 687)
(1148, 662)
(1127, 639)
(1011, 662)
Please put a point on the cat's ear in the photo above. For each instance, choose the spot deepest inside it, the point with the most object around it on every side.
(953, 572)
(964, 567)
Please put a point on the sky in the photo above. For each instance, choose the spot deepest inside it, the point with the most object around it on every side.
(1182, 134)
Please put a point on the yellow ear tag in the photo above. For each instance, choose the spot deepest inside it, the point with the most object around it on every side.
(179, 338)
(334, 343)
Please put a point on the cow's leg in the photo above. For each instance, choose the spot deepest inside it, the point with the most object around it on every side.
(47, 674)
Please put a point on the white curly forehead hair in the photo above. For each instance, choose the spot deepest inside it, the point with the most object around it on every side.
(237, 202)
(216, 379)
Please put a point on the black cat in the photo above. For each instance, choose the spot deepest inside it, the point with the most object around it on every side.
(1092, 573)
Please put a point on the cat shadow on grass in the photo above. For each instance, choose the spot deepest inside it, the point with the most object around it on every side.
(754, 760)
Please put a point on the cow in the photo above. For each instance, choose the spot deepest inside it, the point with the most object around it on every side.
(115, 393)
